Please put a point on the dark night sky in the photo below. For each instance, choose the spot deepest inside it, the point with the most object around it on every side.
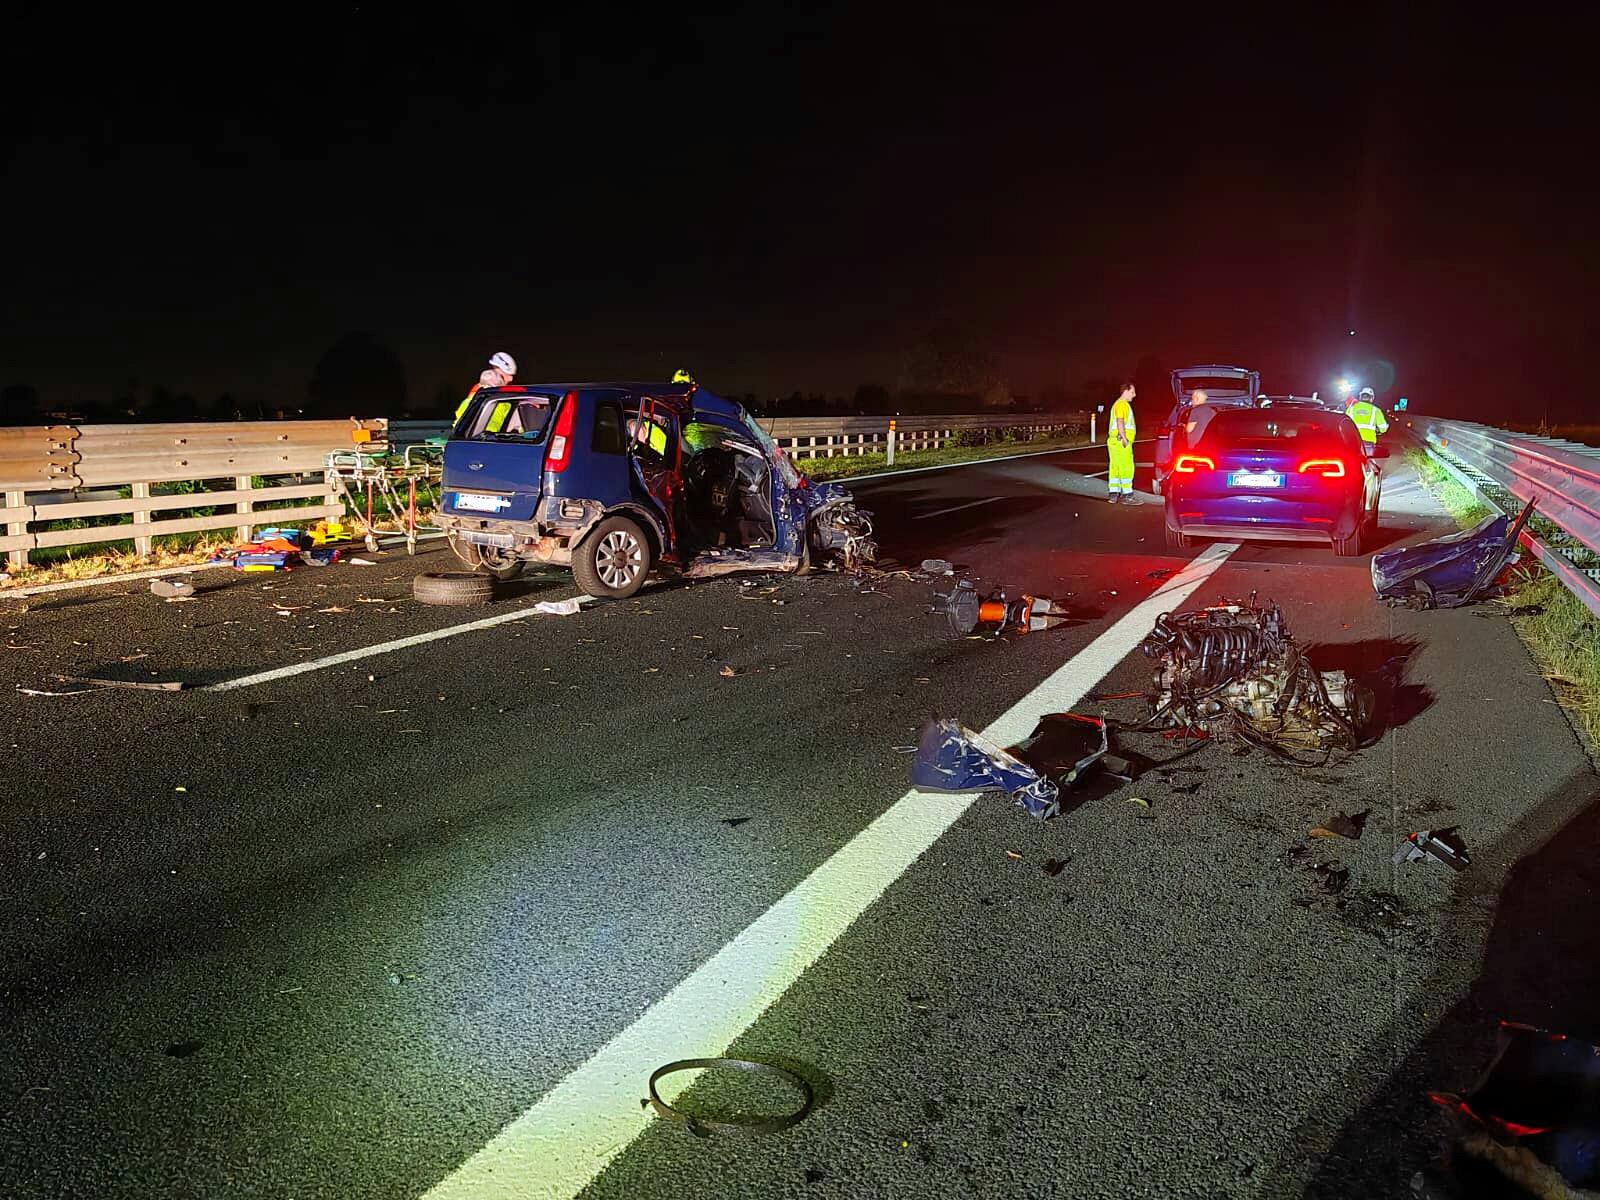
(788, 201)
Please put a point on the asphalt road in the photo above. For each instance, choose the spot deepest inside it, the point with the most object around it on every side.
(328, 933)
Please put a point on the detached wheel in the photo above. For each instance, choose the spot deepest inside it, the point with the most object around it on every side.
(452, 588)
(613, 560)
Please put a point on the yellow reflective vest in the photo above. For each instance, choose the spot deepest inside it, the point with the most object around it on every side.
(1369, 420)
(1120, 408)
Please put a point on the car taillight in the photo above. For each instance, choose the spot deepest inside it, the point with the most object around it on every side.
(560, 453)
(1188, 464)
(1328, 468)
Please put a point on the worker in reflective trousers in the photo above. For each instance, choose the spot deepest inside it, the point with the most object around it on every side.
(502, 369)
(1119, 448)
(1368, 417)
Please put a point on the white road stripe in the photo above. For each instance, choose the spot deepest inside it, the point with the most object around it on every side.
(557, 1147)
(349, 656)
(957, 508)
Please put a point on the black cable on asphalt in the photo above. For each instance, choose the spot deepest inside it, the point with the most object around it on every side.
(706, 1126)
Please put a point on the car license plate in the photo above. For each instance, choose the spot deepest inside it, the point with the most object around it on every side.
(474, 502)
(1261, 479)
(501, 541)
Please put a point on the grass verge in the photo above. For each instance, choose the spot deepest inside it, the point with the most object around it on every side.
(843, 467)
(1561, 634)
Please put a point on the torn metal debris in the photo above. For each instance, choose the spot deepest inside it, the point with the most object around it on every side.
(952, 758)
(1452, 571)
(1440, 847)
(968, 612)
(1233, 671)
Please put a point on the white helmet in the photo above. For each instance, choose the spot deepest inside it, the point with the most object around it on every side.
(501, 361)
(1368, 394)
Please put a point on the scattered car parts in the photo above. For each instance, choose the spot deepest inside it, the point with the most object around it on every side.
(706, 1126)
(1440, 847)
(1233, 671)
(970, 613)
(1451, 571)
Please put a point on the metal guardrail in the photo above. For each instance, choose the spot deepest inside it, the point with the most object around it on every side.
(827, 437)
(1561, 477)
(155, 462)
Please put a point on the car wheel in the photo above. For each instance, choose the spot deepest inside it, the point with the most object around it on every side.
(502, 564)
(1177, 540)
(452, 588)
(1349, 547)
(613, 560)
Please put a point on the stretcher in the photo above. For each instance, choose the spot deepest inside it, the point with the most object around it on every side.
(373, 477)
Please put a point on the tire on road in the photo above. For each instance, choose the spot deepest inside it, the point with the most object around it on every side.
(613, 560)
(453, 588)
(1350, 547)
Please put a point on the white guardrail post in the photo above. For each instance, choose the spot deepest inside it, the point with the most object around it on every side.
(889, 444)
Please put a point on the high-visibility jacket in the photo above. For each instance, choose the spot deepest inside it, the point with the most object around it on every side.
(1369, 420)
(1120, 408)
(462, 407)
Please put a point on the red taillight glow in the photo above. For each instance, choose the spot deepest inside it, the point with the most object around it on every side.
(1188, 464)
(1328, 468)
(560, 453)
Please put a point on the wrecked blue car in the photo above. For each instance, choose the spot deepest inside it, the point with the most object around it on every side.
(616, 479)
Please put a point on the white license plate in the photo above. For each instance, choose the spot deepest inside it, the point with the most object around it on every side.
(1261, 479)
(473, 502)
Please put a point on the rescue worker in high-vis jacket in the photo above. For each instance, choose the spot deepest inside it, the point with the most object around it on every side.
(1368, 417)
(502, 370)
(682, 376)
(1120, 433)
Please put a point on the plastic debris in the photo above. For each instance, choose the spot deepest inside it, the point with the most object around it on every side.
(728, 673)
(952, 758)
(702, 1126)
(362, 562)
(1333, 878)
(171, 588)
(1440, 847)
(561, 608)
(937, 566)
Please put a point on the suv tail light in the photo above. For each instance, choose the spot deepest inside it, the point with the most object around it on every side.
(1328, 468)
(560, 453)
(1188, 464)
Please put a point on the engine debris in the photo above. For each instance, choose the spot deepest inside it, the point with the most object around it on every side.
(1232, 671)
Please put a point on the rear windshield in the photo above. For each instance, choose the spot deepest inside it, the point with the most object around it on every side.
(514, 416)
(1257, 426)
(1211, 383)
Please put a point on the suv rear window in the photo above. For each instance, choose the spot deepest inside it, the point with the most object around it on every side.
(519, 416)
(1212, 383)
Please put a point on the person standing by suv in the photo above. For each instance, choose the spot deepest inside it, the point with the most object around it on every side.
(1120, 431)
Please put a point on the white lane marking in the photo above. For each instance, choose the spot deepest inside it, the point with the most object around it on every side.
(556, 1148)
(348, 656)
(957, 508)
(800, 463)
